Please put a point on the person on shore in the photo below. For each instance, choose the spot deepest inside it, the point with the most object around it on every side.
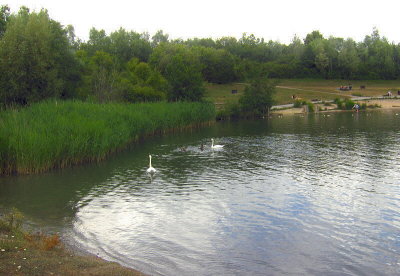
(356, 107)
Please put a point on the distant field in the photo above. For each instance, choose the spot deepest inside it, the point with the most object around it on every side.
(307, 89)
(222, 93)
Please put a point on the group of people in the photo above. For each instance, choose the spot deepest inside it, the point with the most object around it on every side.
(346, 87)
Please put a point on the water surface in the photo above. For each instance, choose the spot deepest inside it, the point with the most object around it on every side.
(298, 195)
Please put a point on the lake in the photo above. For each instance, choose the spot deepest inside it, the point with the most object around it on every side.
(298, 195)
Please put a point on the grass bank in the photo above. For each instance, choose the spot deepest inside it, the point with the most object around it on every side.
(306, 89)
(24, 253)
(54, 134)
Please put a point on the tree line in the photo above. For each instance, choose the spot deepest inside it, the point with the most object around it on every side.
(40, 58)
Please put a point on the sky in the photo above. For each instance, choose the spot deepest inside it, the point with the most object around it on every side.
(277, 20)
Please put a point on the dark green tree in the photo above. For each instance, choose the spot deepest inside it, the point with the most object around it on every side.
(313, 36)
(158, 38)
(4, 18)
(218, 65)
(36, 59)
(257, 98)
(180, 65)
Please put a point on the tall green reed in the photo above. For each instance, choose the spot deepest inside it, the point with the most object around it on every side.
(59, 134)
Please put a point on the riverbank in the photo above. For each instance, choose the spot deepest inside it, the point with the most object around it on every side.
(24, 253)
(53, 134)
(383, 103)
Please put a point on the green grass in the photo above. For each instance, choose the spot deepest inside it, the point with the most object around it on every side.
(59, 134)
(306, 89)
(220, 94)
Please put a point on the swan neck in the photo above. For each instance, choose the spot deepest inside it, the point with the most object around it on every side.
(150, 161)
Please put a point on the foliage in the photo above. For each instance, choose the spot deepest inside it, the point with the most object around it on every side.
(35, 60)
(230, 110)
(298, 103)
(4, 18)
(122, 45)
(258, 96)
(103, 76)
(40, 59)
(182, 68)
(344, 104)
(141, 83)
(311, 107)
(80, 132)
(218, 65)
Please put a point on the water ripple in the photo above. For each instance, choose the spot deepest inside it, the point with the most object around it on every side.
(302, 196)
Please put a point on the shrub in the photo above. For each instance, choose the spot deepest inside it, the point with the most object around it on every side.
(348, 104)
(297, 104)
(311, 107)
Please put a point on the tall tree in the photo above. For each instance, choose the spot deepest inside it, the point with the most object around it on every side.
(182, 68)
(218, 65)
(158, 38)
(349, 60)
(4, 17)
(36, 60)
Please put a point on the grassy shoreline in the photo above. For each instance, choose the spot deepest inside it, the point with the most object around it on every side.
(306, 89)
(55, 134)
(26, 253)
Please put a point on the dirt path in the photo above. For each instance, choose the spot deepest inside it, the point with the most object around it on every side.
(309, 90)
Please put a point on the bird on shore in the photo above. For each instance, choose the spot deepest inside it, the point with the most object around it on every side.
(215, 146)
(150, 169)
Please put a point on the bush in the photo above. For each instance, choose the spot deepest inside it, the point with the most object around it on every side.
(258, 97)
(298, 104)
(338, 102)
(311, 107)
(348, 104)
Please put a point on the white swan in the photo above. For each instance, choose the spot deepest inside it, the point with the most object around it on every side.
(215, 146)
(150, 169)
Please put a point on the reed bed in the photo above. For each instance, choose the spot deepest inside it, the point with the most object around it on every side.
(55, 134)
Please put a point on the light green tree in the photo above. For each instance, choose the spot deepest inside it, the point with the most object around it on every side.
(348, 59)
(140, 83)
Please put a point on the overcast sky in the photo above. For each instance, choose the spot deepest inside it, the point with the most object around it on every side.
(278, 20)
